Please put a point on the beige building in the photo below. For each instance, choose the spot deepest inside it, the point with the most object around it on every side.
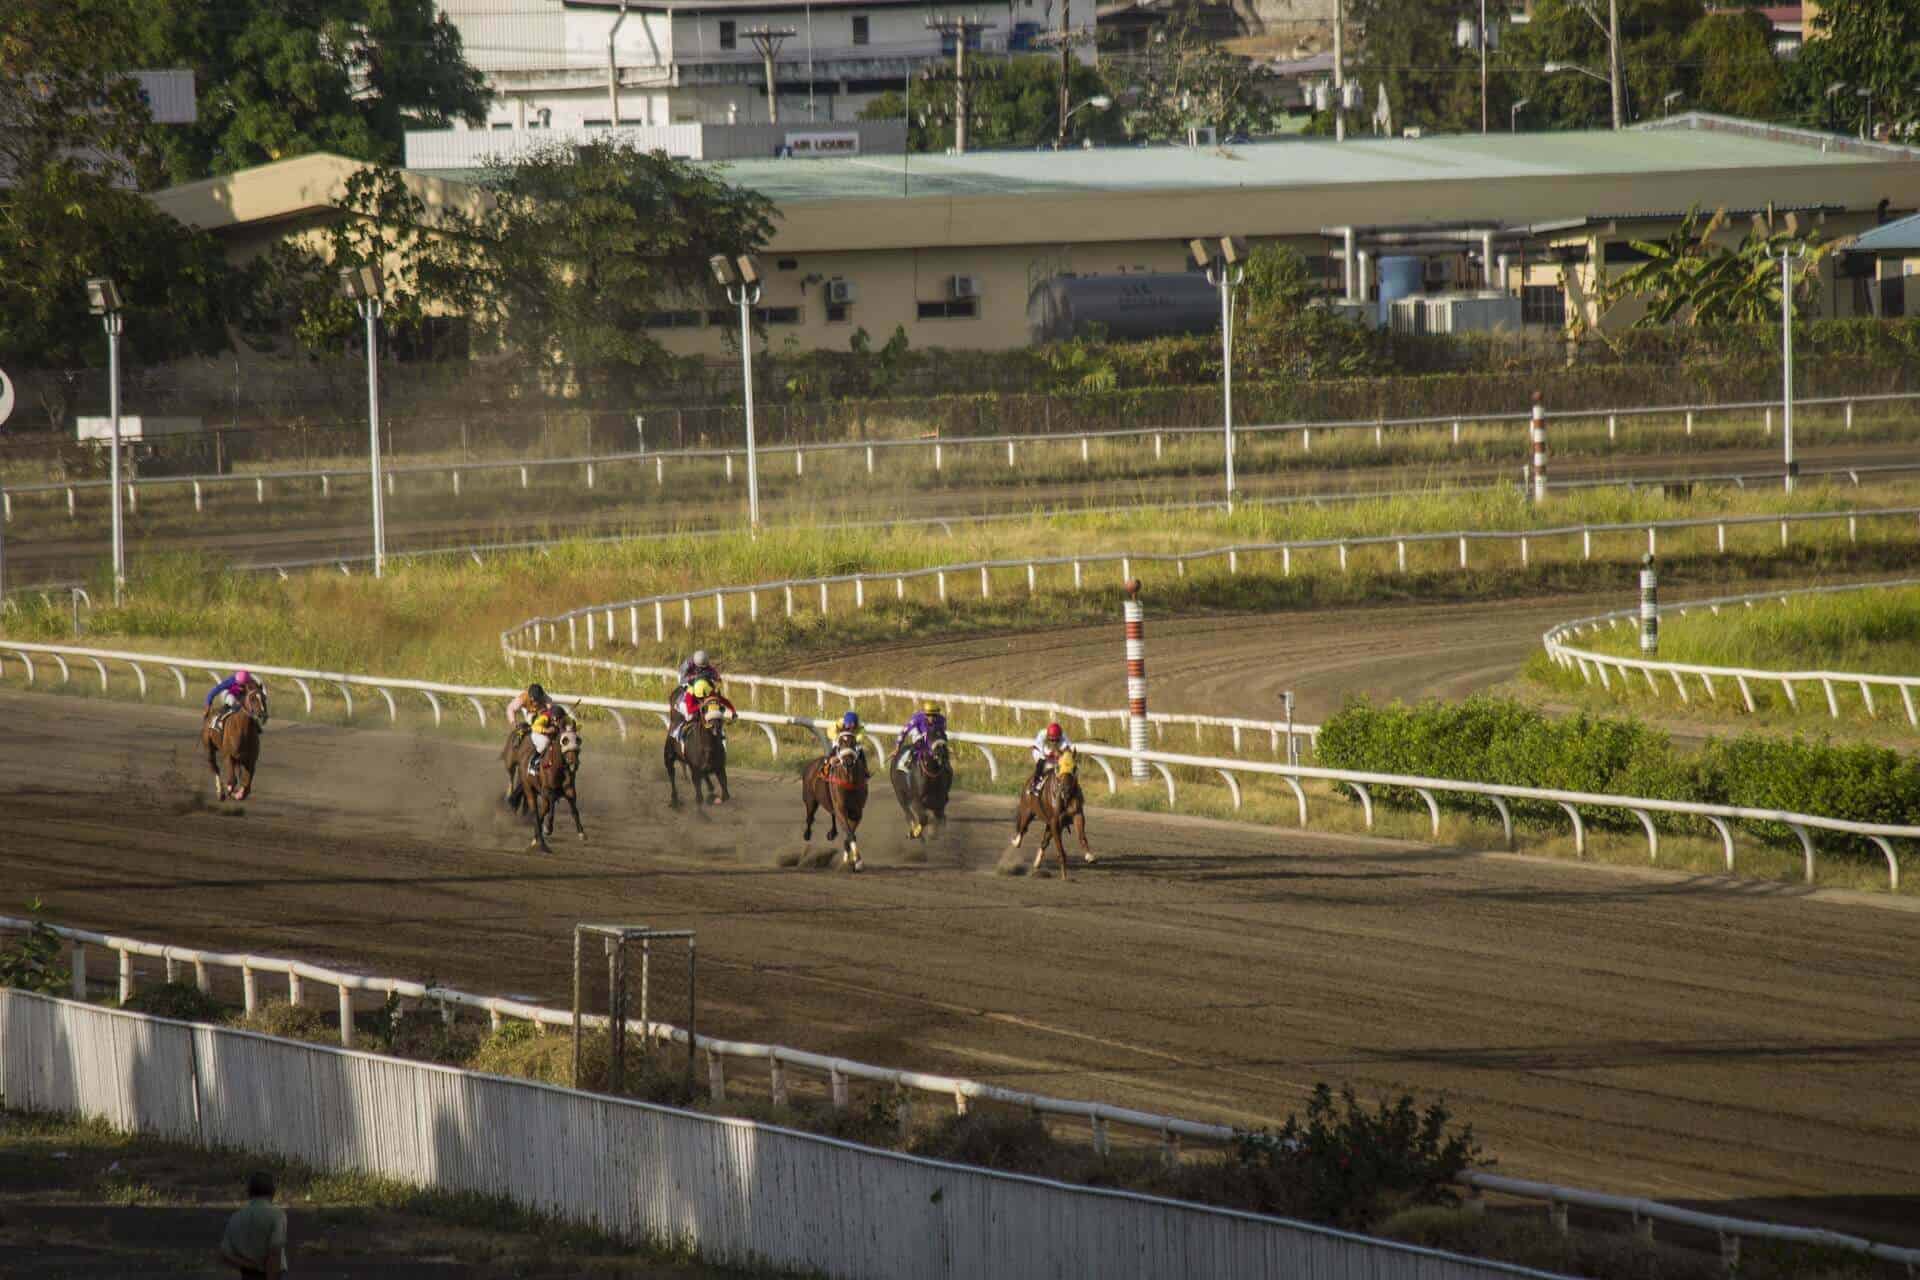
(952, 247)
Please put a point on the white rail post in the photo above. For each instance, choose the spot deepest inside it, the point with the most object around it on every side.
(1539, 431)
(1649, 607)
(1135, 616)
(346, 1017)
(79, 971)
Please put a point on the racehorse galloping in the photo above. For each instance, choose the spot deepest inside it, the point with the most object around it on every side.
(1059, 805)
(703, 750)
(547, 783)
(921, 783)
(836, 782)
(234, 733)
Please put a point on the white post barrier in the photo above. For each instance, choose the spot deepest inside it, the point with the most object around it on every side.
(1135, 617)
(1649, 607)
(1539, 429)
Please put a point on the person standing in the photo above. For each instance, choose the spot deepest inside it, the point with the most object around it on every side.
(255, 1242)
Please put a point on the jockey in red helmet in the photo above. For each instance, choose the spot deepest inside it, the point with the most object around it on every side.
(1047, 746)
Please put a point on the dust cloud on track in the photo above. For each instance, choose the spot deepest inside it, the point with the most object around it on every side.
(1747, 1046)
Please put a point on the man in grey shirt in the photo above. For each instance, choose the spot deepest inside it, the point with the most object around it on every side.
(255, 1242)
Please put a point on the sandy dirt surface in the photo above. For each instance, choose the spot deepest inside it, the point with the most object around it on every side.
(301, 529)
(1752, 1047)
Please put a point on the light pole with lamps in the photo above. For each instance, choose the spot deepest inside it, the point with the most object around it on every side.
(103, 300)
(1666, 103)
(1832, 89)
(1099, 102)
(1225, 262)
(740, 278)
(1613, 86)
(362, 287)
(1867, 124)
(1513, 114)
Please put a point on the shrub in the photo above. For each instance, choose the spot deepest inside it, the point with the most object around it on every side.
(520, 1049)
(291, 1022)
(1346, 1164)
(32, 962)
(1501, 741)
(181, 1000)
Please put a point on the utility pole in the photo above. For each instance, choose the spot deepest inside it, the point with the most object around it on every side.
(768, 41)
(961, 31)
(1339, 71)
(1613, 60)
(1064, 39)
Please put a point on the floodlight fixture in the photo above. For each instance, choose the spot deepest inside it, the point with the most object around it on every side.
(361, 284)
(723, 273)
(103, 296)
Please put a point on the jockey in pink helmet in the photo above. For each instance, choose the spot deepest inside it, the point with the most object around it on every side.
(1047, 746)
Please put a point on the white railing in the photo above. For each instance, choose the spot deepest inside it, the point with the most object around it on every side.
(1230, 771)
(590, 467)
(839, 1071)
(592, 627)
(735, 1188)
(1593, 664)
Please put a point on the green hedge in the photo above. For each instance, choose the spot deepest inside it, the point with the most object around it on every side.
(1501, 741)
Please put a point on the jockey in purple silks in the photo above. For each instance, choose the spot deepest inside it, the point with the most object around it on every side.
(926, 724)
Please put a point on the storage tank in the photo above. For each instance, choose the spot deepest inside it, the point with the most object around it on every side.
(1400, 277)
(1136, 305)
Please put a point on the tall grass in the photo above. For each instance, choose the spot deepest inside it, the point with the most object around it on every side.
(1867, 630)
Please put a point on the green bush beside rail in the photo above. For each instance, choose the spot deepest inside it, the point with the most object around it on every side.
(1500, 741)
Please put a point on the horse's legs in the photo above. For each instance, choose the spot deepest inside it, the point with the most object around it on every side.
(213, 765)
(1060, 844)
(720, 775)
(573, 807)
(1021, 820)
(813, 805)
(673, 781)
(1080, 830)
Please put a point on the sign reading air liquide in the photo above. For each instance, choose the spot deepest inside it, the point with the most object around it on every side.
(823, 144)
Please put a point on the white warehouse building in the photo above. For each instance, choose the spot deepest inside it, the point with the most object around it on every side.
(601, 63)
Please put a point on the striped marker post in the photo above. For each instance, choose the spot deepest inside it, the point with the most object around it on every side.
(1539, 431)
(1649, 607)
(1136, 677)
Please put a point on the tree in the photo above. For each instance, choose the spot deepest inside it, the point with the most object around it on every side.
(1573, 33)
(1735, 69)
(1016, 103)
(1184, 81)
(1861, 44)
(1690, 278)
(582, 244)
(1408, 46)
(70, 150)
(280, 78)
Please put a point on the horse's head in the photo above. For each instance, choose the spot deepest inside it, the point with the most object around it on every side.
(256, 702)
(937, 760)
(713, 712)
(845, 753)
(570, 743)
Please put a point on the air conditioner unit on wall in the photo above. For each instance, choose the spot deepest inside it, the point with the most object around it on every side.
(964, 287)
(841, 292)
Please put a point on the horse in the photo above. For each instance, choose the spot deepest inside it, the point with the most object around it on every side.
(921, 786)
(543, 787)
(836, 782)
(703, 750)
(235, 734)
(1059, 805)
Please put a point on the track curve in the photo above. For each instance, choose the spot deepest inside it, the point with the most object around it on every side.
(1750, 1047)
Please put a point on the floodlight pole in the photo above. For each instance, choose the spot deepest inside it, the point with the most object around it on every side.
(370, 309)
(1224, 275)
(115, 322)
(1786, 363)
(745, 295)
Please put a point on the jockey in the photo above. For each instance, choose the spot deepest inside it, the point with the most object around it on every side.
(527, 703)
(686, 704)
(1047, 746)
(232, 692)
(851, 731)
(698, 667)
(541, 727)
(926, 724)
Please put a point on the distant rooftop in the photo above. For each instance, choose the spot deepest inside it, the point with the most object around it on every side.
(1674, 148)
(1900, 236)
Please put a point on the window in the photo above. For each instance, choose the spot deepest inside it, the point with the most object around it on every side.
(671, 319)
(728, 37)
(788, 264)
(860, 30)
(602, 123)
(777, 315)
(723, 315)
(1893, 297)
(503, 124)
(953, 309)
(839, 312)
(1622, 251)
(1543, 304)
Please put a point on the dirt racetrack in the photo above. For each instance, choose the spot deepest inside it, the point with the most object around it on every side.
(1743, 1046)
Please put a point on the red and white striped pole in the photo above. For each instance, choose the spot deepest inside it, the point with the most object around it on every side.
(1539, 450)
(1136, 677)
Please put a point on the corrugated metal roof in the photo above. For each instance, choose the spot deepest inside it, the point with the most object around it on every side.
(1900, 236)
(1288, 164)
